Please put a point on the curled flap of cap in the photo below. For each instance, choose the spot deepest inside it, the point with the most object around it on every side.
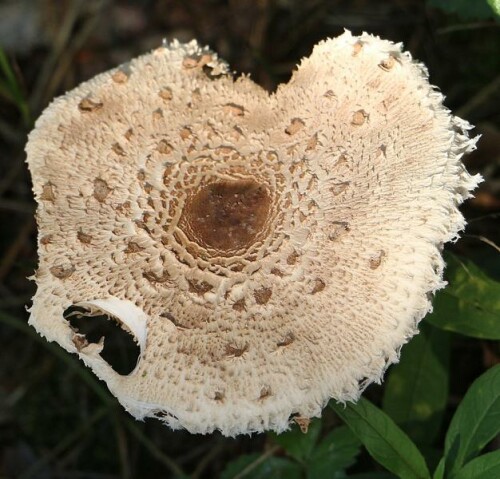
(124, 311)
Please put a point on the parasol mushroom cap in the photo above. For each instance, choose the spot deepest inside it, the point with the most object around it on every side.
(267, 252)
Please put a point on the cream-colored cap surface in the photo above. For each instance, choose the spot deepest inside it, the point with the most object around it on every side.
(267, 252)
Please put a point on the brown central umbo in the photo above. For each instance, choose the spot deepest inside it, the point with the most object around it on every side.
(226, 215)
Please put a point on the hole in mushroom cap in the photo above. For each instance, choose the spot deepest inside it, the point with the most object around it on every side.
(227, 215)
(120, 348)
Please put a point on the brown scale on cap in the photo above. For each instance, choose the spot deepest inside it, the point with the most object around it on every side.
(84, 237)
(239, 305)
(262, 295)
(260, 249)
(233, 109)
(295, 126)
(199, 287)
(62, 271)
(89, 105)
(120, 76)
(101, 189)
(318, 286)
(166, 93)
(48, 192)
(359, 117)
(387, 63)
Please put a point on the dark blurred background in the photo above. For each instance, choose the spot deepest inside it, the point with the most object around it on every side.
(56, 420)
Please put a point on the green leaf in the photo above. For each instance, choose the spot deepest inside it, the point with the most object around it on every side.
(385, 442)
(495, 5)
(251, 466)
(466, 9)
(336, 452)
(485, 466)
(470, 305)
(417, 388)
(297, 444)
(439, 472)
(476, 421)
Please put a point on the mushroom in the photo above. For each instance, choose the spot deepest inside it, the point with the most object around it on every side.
(267, 252)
